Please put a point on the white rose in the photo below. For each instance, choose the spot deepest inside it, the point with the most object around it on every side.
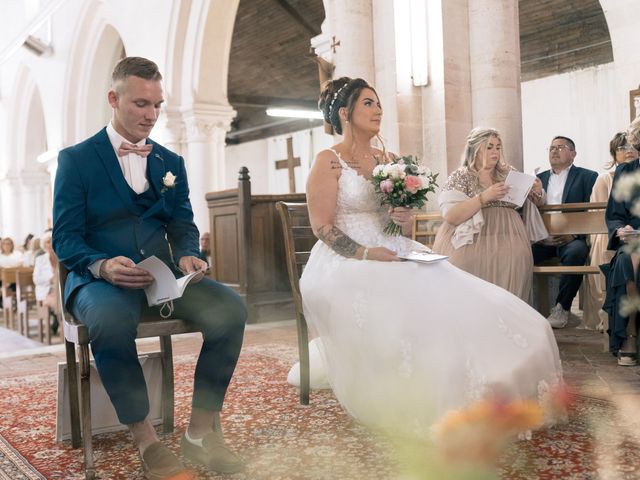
(397, 171)
(169, 180)
(378, 170)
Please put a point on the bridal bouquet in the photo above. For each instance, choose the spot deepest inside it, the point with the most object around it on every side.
(403, 183)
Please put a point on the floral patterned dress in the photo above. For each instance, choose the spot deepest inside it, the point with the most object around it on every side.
(500, 252)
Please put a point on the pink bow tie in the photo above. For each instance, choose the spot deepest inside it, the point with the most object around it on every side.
(127, 148)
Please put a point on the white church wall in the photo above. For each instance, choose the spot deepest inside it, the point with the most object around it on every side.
(252, 155)
(260, 156)
(583, 105)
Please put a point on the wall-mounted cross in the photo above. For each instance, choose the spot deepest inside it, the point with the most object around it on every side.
(289, 163)
(334, 44)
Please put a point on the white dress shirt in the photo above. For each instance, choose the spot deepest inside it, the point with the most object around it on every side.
(556, 184)
(134, 167)
(43, 276)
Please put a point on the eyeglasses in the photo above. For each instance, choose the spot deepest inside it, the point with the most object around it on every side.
(559, 148)
(625, 148)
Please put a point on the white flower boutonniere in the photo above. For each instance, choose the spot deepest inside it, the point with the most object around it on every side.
(168, 181)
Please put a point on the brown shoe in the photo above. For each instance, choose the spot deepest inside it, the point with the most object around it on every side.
(159, 463)
(214, 454)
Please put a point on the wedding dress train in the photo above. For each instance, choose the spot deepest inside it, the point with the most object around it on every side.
(404, 342)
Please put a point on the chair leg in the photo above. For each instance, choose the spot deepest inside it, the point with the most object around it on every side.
(303, 350)
(72, 385)
(85, 394)
(166, 350)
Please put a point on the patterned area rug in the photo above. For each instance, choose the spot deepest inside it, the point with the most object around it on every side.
(280, 439)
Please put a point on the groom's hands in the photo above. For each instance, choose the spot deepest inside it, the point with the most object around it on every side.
(122, 272)
(190, 264)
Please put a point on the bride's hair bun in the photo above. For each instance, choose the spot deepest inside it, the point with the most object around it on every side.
(338, 93)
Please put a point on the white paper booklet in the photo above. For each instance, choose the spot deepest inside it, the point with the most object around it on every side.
(423, 257)
(520, 184)
(165, 285)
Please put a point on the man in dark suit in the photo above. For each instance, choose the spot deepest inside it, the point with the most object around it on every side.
(120, 197)
(564, 183)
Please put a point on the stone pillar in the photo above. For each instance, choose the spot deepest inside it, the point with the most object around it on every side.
(494, 55)
(26, 202)
(351, 24)
(172, 129)
(206, 127)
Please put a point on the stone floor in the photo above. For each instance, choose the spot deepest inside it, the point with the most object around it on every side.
(587, 366)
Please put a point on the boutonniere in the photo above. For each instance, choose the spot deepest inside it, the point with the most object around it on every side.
(168, 181)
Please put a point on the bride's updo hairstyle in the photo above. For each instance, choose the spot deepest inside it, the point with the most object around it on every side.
(338, 93)
(477, 141)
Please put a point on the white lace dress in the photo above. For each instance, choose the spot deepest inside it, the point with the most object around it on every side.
(406, 342)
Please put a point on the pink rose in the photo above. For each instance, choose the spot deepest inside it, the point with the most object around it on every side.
(412, 183)
(386, 186)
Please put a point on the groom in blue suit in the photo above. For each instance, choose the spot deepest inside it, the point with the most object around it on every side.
(120, 197)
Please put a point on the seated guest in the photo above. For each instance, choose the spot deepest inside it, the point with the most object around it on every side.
(9, 257)
(622, 279)
(594, 317)
(28, 251)
(564, 183)
(45, 278)
(205, 251)
(481, 233)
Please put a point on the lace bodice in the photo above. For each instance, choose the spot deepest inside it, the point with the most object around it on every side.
(360, 214)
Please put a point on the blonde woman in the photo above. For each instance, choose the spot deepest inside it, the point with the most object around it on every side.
(482, 234)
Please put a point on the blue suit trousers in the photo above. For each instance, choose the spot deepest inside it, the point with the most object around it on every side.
(112, 314)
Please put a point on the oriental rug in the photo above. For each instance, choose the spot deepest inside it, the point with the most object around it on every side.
(280, 439)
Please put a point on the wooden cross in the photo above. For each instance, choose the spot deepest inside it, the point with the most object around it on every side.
(334, 44)
(289, 163)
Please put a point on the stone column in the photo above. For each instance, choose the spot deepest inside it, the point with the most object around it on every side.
(171, 129)
(494, 55)
(351, 24)
(206, 127)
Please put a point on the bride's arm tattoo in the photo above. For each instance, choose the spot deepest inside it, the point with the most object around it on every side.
(338, 241)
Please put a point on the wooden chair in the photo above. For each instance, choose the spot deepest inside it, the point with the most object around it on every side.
(298, 241)
(76, 335)
(8, 277)
(25, 298)
(425, 227)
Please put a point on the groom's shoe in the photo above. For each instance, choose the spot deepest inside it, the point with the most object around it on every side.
(159, 463)
(213, 454)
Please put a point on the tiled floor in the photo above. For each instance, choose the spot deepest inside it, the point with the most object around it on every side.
(586, 365)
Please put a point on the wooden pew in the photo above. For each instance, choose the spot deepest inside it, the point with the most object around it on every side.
(247, 248)
(568, 219)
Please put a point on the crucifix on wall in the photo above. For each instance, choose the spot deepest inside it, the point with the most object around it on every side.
(289, 163)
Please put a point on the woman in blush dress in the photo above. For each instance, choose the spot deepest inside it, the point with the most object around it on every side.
(400, 347)
(482, 234)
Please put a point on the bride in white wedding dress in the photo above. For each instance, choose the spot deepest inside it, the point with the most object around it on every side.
(404, 342)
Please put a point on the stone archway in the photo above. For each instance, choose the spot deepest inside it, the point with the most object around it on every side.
(97, 48)
(26, 193)
(198, 113)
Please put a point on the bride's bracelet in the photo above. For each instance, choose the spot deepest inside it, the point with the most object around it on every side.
(365, 253)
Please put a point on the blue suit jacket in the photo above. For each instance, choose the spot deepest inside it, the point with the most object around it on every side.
(578, 187)
(95, 216)
(619, 213)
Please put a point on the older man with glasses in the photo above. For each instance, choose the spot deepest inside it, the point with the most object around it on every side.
(564, 183)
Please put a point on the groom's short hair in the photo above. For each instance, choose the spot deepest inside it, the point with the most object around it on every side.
(134, 66)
